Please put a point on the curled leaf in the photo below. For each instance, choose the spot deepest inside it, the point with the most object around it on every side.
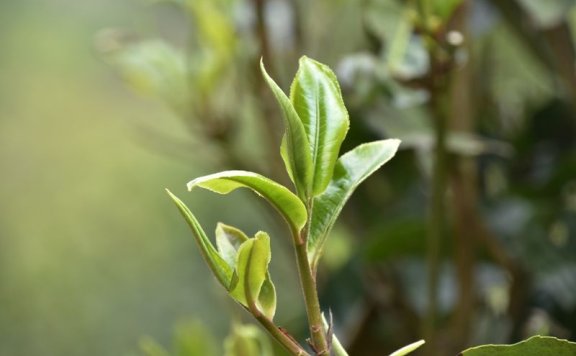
(251, 285)
(287, 204)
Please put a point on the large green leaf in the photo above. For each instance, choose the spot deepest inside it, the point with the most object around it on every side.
(534, 346)
(351, 170)
(288, 204)
(251, 283)
(295, 146)
(217, 264)
(317, 99)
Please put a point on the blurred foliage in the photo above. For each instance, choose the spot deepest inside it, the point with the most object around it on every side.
(92, 256)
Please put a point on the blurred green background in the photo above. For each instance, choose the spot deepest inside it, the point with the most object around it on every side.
(93, 255)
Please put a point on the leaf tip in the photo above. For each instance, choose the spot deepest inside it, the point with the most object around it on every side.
(262, 67)
(170, 194)
(396, 142)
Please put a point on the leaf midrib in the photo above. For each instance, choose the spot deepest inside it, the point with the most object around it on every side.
(316, 145)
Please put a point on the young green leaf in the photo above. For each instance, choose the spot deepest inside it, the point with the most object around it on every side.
(295, 148)
(317, 99)
(536, 346)
(408, 348)
(288, 204)
(228, 241)
(217, 264)
(267, 298)
(251, 285)
(351, 170)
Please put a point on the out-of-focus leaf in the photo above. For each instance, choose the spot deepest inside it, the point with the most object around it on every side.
(408, 348)
(193, 338)
(228, 241)
(351, 170)
(444, 8)
(397, 239)
(247, 340)
(295, 148)
(547, 13)
(317, 99)
(534, 346)
(288, 204)
(216, 38)
(397, 48)
(151, 348)
(217, 264)
(251, 274)
(154, 68)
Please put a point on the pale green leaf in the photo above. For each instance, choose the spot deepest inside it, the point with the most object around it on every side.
(251, 274)
(317, 99)
(288, 204)
(351, 170)
(267, 298)
(408, 348)
(296, 148)
(217, 264)
(534, 346)
(228, 241)
(238, 285)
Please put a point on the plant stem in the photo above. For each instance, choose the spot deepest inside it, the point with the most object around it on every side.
(437, 88)
(311, 301)
(308, 284)
(436, 217)
(289, 344)
(283, 338)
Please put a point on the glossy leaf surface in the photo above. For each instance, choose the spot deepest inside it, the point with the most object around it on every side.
(317, 99)
(350, 170)
(534, 346)
(251, 283)
(288, 204)
(217, 264)
(295, 146)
